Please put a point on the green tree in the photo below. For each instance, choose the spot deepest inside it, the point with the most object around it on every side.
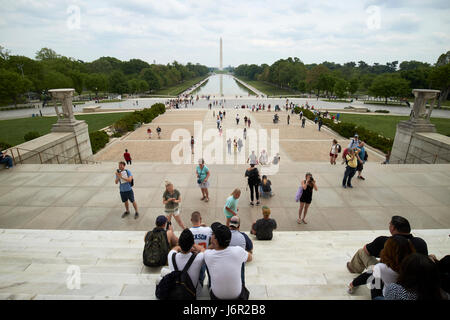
(117, 82)
(389, 85)
(12, 85)
(46, 54)
(340, 88)
(96, 82)
(153, 79)
(440, 79)
(353, 86)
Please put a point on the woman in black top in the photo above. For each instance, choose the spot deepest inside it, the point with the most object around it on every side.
(253, 181)
(305, 200)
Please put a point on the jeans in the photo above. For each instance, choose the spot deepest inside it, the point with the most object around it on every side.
(7, 160)
(202, 274)
(348, 175)
(264, 194)
(253, 189)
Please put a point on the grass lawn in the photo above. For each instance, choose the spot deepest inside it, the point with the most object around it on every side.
(387, 125)
(12, 131)
(179, 88)
(267, 88)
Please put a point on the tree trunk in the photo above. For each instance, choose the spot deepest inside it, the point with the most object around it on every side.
(385, 101)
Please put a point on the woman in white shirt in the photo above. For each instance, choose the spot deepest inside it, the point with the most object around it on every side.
(334, 152)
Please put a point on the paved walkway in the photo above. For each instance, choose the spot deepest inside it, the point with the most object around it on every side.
(84, 197)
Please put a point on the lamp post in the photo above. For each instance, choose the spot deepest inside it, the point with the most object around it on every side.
(20, 66)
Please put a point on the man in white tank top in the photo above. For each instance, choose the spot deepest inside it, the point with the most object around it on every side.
(202, 237)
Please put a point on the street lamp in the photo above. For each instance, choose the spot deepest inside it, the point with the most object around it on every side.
(20, 66)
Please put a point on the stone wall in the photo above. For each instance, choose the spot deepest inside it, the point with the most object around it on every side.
(420, 147)
(55, 147)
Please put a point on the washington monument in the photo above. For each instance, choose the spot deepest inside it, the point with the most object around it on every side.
(221, 66)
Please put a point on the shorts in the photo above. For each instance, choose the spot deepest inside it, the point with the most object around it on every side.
(360, 166)
(204, 185)
(176, 212)
(333, 155)
(127, 195)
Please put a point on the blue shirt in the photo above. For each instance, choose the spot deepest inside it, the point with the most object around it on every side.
(202, 173)
(232, 204)
(353, 144)
(362, 153)
(125, 186)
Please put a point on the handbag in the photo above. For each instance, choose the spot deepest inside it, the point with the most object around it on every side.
(299, 194)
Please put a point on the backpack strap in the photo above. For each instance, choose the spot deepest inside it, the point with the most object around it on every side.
(174, 262)
(188, 264)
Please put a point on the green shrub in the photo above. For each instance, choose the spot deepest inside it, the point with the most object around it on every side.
(4, 145)
(382, 111)
(31, 135)
(128, 122)
(98, 140)
(348, 129)
(116, 135)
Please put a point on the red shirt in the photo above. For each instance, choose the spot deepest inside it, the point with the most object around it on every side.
(127, 156)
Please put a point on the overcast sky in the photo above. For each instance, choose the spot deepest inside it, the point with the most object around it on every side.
(252, 31)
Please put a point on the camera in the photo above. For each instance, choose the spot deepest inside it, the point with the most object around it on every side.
(118, 171)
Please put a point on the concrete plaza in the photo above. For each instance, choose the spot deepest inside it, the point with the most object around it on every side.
(55, 216)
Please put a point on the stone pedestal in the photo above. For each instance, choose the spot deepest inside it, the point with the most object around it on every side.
(419, 122)
(67, 122)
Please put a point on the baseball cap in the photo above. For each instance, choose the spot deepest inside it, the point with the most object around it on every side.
(160, 221)
(222, 234)
(356, 135)
(235, 221)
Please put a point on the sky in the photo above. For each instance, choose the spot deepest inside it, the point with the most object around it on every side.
(252, 31)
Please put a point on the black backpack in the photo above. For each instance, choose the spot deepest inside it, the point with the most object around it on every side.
(132, 180)
(156, 248)
(177, 285)
(365, 156)
(339, 148)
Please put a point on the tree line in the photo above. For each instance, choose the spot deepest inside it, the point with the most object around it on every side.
(342, 80)
(20, 75)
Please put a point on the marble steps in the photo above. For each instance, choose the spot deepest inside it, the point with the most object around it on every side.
(294, 265)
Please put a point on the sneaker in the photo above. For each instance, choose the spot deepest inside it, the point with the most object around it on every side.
(251, 203)
(125, 214)
(257, 203)
(344, 186)
(136, 215)
(362, 178)
(349, 186)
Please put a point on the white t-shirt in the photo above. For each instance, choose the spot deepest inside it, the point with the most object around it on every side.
(202, 235)
(334, 149)
(181, 259)
(224, 268)
(386, 274)
(237, 239)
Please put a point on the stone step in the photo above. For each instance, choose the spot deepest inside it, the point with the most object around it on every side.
(294, 265)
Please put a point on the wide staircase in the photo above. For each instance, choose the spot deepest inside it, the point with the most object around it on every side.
(41, 264)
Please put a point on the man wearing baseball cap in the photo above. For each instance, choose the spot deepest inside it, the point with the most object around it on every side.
(354, 143)
(160, 240)
(223, 263)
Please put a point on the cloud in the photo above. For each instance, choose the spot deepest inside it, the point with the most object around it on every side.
(253, 31)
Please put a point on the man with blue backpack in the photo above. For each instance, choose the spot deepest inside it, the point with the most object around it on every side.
(126, 182)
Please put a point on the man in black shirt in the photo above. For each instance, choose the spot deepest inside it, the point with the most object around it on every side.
(263, 228)
(367, 256)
